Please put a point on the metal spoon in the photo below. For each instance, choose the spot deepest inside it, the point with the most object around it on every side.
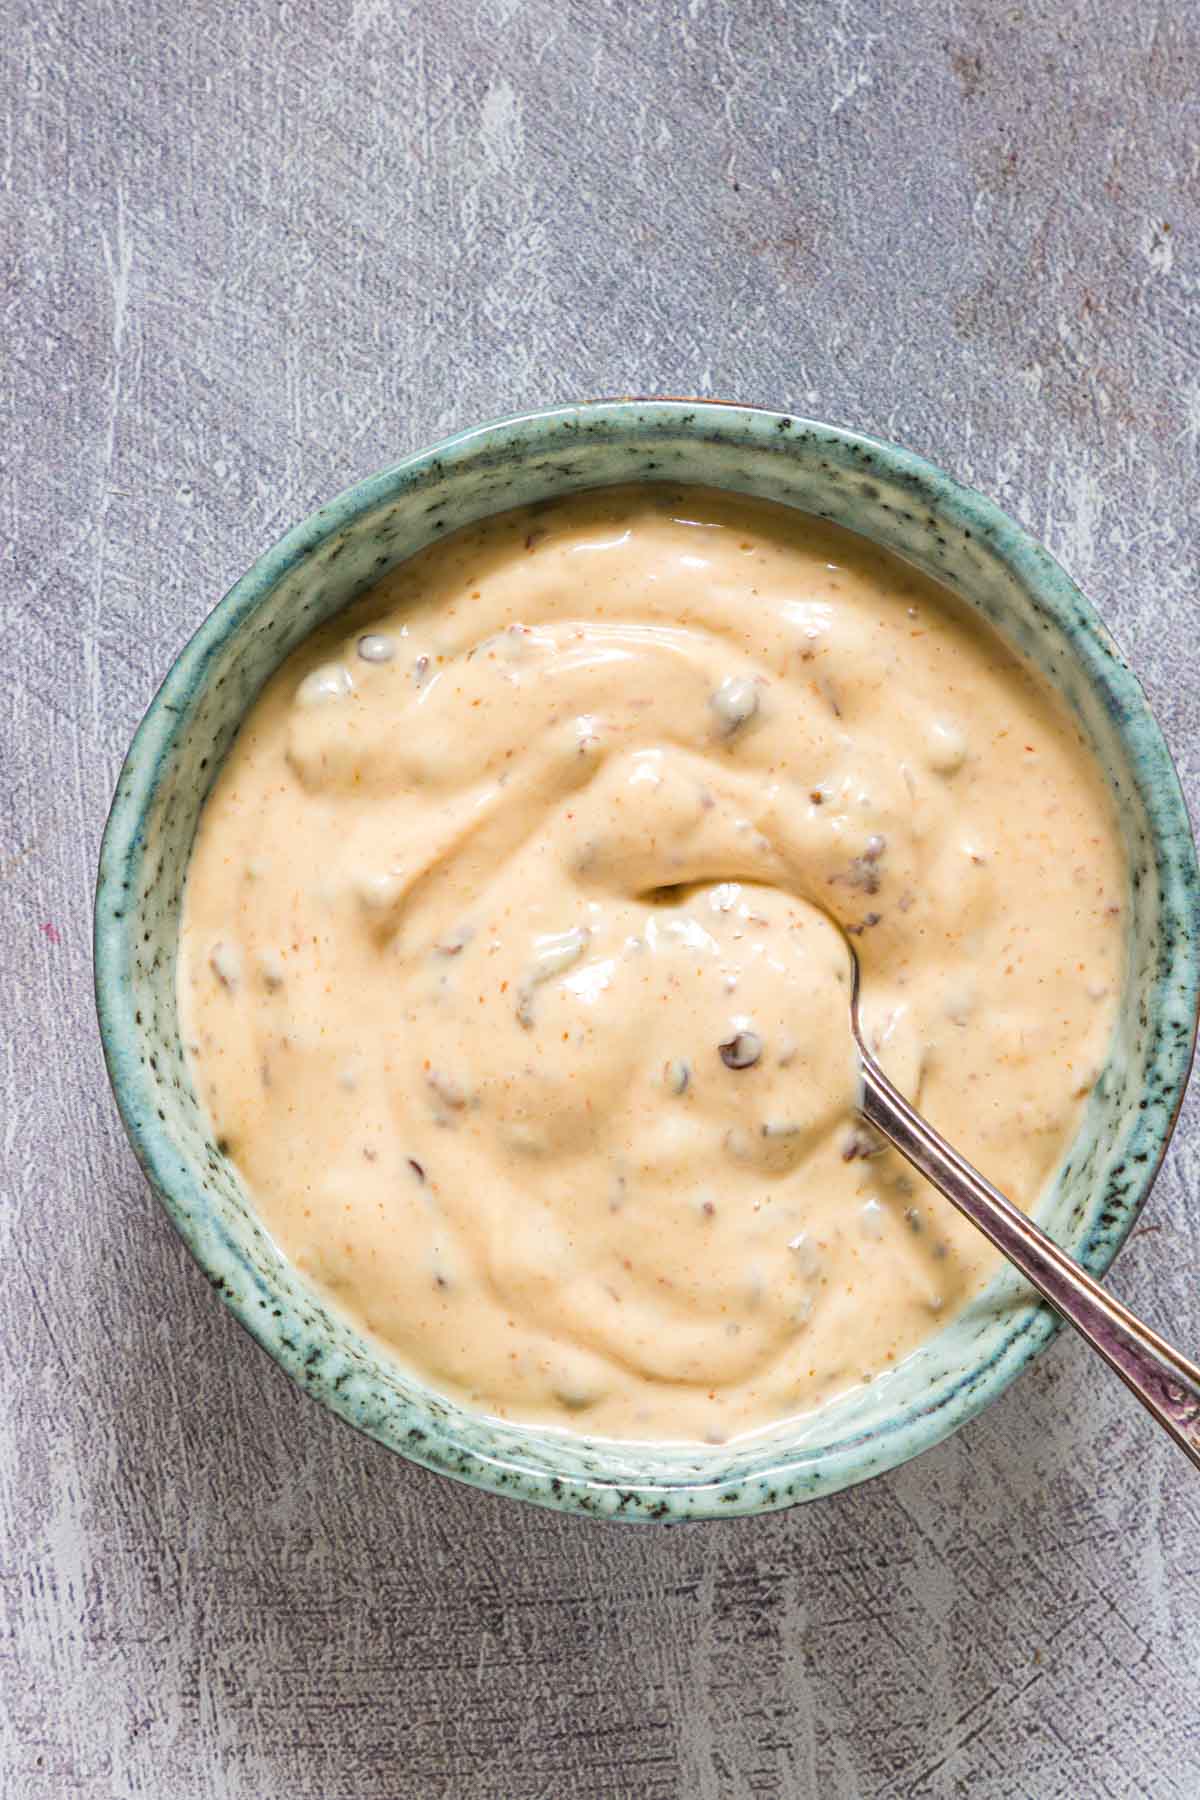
(1165, 1381)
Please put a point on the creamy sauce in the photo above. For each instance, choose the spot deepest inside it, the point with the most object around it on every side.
(507, 979)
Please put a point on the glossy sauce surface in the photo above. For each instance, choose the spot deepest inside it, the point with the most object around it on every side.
(508, 978)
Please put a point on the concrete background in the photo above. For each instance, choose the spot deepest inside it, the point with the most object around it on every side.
(252, 250)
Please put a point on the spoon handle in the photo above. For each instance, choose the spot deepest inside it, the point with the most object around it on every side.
(1165, 1381)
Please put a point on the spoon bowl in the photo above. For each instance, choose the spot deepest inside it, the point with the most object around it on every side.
(888, 495)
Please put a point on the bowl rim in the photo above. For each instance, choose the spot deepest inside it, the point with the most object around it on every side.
(1033, 1324)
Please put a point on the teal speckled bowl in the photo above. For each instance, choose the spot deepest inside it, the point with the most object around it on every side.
(883, 492)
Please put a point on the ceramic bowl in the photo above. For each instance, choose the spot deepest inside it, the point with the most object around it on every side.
(874, 488)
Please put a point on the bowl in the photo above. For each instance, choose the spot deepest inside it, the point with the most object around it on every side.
(874, 488)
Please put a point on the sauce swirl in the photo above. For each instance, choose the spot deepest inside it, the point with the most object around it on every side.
(507, 971)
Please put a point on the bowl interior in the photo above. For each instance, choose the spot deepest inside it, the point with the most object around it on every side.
(873, 488)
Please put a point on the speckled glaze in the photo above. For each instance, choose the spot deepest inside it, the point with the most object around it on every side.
(874, 488)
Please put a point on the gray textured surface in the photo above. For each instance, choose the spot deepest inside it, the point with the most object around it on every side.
(252, 250)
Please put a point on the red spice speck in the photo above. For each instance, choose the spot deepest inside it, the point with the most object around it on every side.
(52, 933)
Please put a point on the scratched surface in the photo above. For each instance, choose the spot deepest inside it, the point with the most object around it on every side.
(251, 250)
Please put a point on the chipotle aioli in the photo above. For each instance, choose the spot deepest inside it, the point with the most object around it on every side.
(507, 979)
